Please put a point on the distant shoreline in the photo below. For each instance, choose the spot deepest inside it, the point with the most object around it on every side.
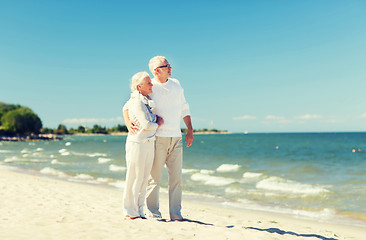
(210, 132)
(40, 137)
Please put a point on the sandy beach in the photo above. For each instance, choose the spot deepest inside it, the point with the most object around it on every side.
(36, 207)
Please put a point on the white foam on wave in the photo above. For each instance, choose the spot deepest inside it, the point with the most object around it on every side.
(206, 171)
(38, 160)
(115, 168)
(12, 159)
(53, 172)
(232, 190)
(68, 144)
(96, 154)
(65, 153)
(55, 161)
(39, 149)
(288, 186)
(212, 180)
(104, 160)
(187, 171)
(5, 151)
(83, 177)
(25, 155)
(62, 150)
(228, 168)
(25, 150)
(251, 175)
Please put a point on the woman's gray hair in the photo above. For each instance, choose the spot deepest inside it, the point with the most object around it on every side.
(138, 79)
(155, 62)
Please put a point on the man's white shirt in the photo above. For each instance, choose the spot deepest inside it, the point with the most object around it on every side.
(171, 105)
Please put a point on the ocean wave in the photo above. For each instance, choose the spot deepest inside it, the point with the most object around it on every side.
(104, 160)
(251, 175)
(115, 168)
(83, 177)
(232, 190)
(96, 155)
(187, 171)
(205, 171)
(5, 151)
(12, 159)
(68, 144)
(55, 161)
(228, 168)
(38, 160)
(288, 186)
(53, 172)
(25, 150)
(39, 149)
(323, 214)
(212, 180)
(103, 180)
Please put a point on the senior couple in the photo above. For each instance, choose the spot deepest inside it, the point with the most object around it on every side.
(152, 116)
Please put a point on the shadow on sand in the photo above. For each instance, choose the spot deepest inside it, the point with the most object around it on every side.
(198, 222)
(203, 223)
(282, 232)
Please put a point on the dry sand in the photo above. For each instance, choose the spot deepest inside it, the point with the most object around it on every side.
(36, 207)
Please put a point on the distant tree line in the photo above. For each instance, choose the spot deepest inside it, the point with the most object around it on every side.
(184, 130)
(18, 120)
(97, 129)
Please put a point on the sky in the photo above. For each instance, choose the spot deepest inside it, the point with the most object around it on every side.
(256, 66)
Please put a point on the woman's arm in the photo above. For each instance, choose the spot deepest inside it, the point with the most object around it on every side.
(142, 115)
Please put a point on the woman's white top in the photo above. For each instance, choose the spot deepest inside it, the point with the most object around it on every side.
(141, 112)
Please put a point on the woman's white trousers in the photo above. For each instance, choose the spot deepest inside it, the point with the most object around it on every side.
(139, 160)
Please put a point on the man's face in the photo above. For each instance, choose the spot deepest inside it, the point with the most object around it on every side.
(164, 70)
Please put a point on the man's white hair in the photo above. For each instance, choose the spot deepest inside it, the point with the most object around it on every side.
(138, 79)
(155, 62)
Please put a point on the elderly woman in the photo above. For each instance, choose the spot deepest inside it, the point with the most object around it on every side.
(139, 146)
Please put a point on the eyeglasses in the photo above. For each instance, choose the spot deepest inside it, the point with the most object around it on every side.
(168, 66)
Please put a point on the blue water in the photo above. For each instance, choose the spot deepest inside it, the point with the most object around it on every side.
(313, 175)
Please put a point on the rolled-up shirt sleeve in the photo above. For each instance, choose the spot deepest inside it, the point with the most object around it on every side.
(140, 114)
(185, 106)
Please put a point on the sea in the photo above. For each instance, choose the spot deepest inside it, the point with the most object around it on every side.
(316, 176)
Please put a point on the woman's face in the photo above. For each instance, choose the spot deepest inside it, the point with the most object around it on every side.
(145, 87)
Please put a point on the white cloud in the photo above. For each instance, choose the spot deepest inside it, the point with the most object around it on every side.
(309, 116)
(245, 117)
(272, 117)
(92, 120)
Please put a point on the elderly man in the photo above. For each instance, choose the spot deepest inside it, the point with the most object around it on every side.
(171, 105)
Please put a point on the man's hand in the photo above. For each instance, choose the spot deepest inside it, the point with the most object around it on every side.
(159, 121)
(132, 128)
(189, 138)
(189, 135)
